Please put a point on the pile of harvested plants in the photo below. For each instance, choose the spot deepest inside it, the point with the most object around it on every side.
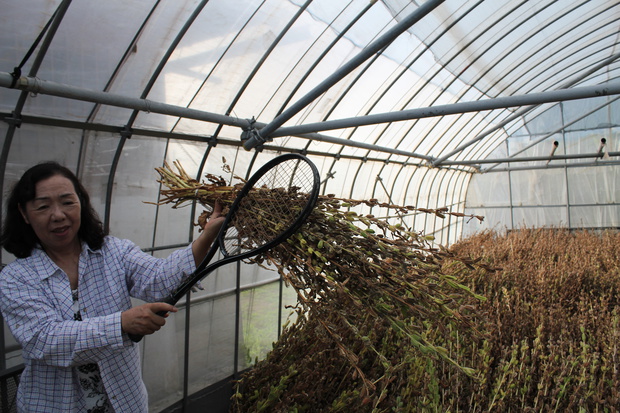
(552, 322)
(372, 299)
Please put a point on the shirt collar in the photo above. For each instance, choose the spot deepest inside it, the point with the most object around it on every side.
(47, 267)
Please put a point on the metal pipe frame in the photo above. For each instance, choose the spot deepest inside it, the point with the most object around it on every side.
(610, 88)
(531, 159)
(559, 130)
(265, 132)
(35, 85)
(556, 166)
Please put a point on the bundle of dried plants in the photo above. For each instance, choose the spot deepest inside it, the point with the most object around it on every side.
(364, 285)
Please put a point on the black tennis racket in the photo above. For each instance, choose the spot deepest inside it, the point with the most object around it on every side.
(270, 207)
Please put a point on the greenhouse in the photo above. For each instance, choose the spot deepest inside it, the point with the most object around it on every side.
(443, 133)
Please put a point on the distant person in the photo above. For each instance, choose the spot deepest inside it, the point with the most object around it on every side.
(66, 298)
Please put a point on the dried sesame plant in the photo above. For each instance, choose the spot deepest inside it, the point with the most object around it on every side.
(368, 294)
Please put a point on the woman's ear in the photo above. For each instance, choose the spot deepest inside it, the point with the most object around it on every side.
(21, 211)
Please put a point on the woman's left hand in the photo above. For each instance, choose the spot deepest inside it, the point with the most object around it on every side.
(201, 245)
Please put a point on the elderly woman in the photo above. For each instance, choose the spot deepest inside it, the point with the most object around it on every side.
(67, 296)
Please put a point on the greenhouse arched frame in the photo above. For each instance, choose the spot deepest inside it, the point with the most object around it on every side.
(503, 110)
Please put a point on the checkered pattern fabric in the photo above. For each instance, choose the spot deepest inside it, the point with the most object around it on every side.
(36, 300)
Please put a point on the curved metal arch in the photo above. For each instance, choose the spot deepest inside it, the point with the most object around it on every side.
(354, 181)
(549, 69)
(481, 76)
(449, 188)
(91, 116)
(247, 82)
(439, 176)
(262, 60)
(132, 118)
(440, 70)
(430, 185)
(441, 196)
(460, 206)
(405, 69)
(354, 81)
(416, 59)
(319, 59)
(402, 73)
(521, 112)
(492, 143)
(573, 81)
(349, 87)
(417, 197)
(208, 76)
(379, 44)
(57, 19)
(481, 34)
(558, 37)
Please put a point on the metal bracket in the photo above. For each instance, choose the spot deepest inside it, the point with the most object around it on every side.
(14, 119)
(251, 137)
(127, 132)
(212, 141)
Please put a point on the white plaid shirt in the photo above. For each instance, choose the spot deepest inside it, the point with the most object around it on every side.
(35, 299)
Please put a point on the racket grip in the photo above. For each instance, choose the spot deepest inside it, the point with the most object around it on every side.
(137, 337)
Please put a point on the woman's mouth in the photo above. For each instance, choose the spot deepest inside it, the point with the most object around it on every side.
(61, 230)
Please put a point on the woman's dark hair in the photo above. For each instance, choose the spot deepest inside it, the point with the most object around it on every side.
(17, 236)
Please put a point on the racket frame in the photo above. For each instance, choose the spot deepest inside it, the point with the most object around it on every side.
(204, 268)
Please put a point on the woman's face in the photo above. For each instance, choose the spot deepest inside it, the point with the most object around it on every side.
(54, 214)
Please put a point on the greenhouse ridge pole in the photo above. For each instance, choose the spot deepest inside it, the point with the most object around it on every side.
(258, 137)
(531, 159)
(523, 111)
(611, 88)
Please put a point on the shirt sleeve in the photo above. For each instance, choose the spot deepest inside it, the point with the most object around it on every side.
(153, 279)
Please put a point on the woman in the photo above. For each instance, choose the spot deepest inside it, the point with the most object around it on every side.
(66, 298)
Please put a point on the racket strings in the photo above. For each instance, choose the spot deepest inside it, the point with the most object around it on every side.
(270, 208)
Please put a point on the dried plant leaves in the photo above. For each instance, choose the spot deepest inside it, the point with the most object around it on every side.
(369, 292)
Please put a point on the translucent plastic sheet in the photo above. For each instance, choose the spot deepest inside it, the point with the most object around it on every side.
(252, 60)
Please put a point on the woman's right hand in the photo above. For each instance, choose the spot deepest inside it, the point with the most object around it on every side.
(146, 318)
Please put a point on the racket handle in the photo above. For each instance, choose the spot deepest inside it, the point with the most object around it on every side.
(137, 337)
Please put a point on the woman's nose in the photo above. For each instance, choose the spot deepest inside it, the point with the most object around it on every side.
(57, 213)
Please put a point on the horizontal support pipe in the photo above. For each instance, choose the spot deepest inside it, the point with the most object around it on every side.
(362, 145)
(551, 166)
(105, 98)
(36, 120)
(34, 85)
(524, 110)
(563, 127)
(530, 159)
(611, 88)
(46, 87)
